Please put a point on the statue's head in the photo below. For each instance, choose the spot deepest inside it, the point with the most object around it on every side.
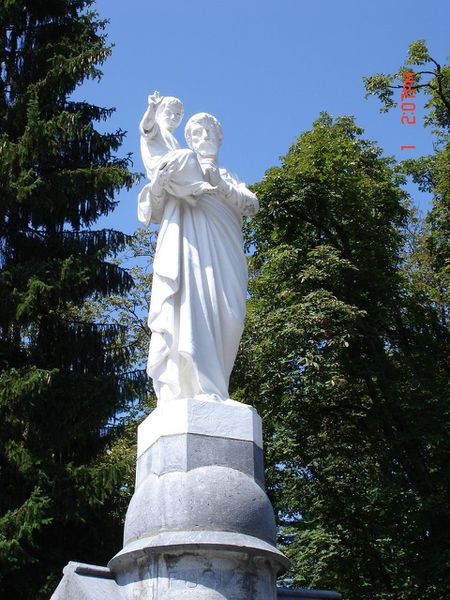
(170, 112)
(203, 134)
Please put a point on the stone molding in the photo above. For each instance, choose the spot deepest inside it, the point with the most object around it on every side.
(227, 419)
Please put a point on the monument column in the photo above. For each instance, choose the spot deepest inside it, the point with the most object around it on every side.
(200, 525)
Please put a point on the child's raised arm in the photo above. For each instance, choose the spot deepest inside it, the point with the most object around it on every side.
(148, 125)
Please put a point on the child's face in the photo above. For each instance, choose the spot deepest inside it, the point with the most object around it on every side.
(170, 115)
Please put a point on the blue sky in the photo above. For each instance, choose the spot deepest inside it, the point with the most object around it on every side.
(264, 68)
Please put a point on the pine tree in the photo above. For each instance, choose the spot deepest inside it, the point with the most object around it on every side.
(63, 378)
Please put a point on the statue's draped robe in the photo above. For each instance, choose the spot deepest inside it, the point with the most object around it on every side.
(197, 307)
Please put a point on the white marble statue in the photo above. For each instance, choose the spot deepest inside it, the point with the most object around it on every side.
(197, 307)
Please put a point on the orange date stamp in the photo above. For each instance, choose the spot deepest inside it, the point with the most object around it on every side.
(408, 105)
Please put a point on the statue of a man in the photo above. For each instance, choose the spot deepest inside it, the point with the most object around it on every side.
(197, 307)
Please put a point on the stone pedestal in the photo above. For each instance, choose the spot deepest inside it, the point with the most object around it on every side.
(90, 582)
(199, 525)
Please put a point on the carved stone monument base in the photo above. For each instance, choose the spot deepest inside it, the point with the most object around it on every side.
(199, 525)
(203, 574)
(90, 582)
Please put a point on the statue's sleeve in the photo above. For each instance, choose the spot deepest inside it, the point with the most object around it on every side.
(148, 126)
(238, 194)
(150, 206)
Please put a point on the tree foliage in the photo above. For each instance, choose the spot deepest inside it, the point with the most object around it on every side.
(348, 367)
(130, 311)
(63, 376)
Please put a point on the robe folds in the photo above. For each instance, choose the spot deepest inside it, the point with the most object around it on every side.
(197, 307)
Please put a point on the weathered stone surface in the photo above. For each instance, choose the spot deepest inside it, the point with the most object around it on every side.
(183, 575)
(199, 575)
(186, 452)
(141, 551)
(218, 419)
(87, 582)
(205, 499)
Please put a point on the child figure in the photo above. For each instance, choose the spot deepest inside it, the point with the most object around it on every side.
(171, 170)
(161, 118)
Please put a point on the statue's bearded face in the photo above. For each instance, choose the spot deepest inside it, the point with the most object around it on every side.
(204, 139)
(170, 115)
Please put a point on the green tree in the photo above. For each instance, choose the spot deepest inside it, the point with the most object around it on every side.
(349, 370)
(63, 377)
